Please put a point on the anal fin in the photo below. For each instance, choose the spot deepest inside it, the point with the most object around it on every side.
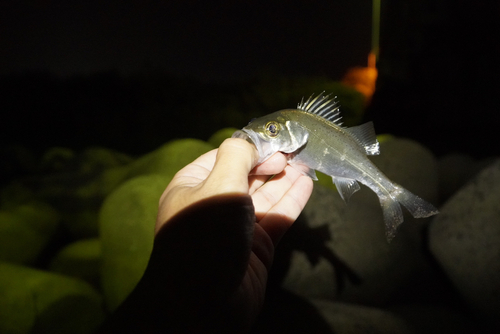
(296, 162)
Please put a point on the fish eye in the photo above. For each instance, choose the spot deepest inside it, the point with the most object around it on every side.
(272, 129)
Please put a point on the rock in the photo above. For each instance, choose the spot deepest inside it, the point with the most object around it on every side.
(435, 319)
(80, 182)
(57, 158)
(76, 184)
(170, 158)
(411, 165)
(83, 222)
(126, 227)
(99, 158)
(355, 319)
(90, 161)
(25, 230)
(312, 280)
(217, 138)
(80, 259)
(352, 261)
(96, 173)
(465, 240)
(127, 217)
(455, 170)
(325, 181)
(35, 301)
(166, 160)
(14, 194)
(285, 312)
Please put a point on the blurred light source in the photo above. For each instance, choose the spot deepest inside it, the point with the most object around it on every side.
(363, 79)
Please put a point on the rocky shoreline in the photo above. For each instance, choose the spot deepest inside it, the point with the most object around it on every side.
(334, 271)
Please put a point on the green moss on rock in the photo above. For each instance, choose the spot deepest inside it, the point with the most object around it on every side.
(35, 301)
(127, 220)
(169, 158)
(384, 137)
(217, 138)
(81, 259)
(25, 230)
(325, 180)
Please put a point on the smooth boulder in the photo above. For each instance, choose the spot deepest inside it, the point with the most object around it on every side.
(351, 318)
(465, 240)
(35, 301)
(81, 259)
(25, 230)
(126, 227)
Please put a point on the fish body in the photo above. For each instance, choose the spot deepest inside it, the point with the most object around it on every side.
(314, 139)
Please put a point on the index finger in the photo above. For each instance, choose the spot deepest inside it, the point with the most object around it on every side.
(274, 165)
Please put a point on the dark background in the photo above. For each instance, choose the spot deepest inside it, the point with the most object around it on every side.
(133, 75)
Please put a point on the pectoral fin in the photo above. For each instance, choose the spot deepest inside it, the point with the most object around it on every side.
(305, 170)
(346, 187)
(299, 165)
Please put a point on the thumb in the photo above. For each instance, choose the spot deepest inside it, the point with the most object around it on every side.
(235, 159)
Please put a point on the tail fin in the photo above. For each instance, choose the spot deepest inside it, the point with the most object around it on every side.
(393, 215)
(417, 206)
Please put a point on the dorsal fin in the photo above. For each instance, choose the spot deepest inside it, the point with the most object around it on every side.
(365, 135)
(322, 106)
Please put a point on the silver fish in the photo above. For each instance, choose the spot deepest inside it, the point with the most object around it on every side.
(313, 138)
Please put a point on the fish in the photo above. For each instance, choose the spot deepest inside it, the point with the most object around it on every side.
(313, 139)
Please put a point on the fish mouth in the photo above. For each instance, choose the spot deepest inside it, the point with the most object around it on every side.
(243, 135)
(253, 138)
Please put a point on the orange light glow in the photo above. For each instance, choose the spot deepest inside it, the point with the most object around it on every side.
(363, 79)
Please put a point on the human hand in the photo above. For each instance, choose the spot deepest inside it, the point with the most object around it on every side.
(218, 222)
(230, 170)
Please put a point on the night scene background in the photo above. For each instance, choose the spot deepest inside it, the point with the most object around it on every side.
(131, 76)
(90, 93)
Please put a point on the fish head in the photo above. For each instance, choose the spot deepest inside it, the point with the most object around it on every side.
(273, 133)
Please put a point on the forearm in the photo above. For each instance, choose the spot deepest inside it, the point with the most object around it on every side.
(194, 275)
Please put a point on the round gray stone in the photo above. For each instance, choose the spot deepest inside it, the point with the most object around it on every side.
(355, 319)
(465, 239)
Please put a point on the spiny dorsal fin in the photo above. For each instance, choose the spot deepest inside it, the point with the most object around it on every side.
(322, 106)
